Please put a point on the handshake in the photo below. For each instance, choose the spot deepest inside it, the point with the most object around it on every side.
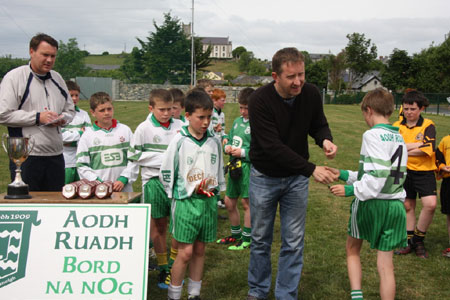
(327, 175)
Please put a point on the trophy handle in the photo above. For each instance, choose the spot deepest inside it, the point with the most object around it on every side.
(4, 137)
(30, 145)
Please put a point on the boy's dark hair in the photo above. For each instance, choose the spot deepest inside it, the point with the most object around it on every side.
(417, 97)
(380, 101)
(203, 83)
(99, 98)
(244, 95)
(42, 37)
(285, 55)
(72, 86)
(178, 96)
(161, 95)
(197, 98)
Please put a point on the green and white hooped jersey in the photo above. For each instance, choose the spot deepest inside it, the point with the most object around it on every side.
(382, 165)
(217, 118)
(188, 161)
(239, 137)
(149, 142)
(71, 134)
(103, 154)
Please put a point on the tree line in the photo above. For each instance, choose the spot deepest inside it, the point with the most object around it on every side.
(165, 57)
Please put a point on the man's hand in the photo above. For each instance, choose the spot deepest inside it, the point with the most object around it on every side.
(118, 186)
(322, 175)
(329, 148)
(338, 190)
(335, 172)
(47, 116)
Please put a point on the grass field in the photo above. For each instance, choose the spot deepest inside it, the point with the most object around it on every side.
(110, 59)
(324, 273)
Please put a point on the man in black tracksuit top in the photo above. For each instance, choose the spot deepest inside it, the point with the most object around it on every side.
(282, 115)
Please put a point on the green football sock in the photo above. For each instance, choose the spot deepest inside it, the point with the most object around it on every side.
(236, 231)
(247, 235)
(357, 294)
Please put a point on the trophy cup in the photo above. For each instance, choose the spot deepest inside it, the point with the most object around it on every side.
(18, 149)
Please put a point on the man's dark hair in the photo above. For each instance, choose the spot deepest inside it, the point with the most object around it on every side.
(197, 98)
(417, 97)
(244, 95)
(72, 86)
(42, 37)
(286, 55)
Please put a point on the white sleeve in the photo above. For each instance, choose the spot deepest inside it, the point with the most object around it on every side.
(167, 171)
(374, 178)
(137, 154)
(83, 163)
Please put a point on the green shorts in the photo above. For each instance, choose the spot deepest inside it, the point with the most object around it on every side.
(155, 195)
(239, 187)
(194, 219)
(71, 175)
(380, 222)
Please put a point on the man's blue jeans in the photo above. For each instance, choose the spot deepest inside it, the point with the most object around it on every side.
(265, 194)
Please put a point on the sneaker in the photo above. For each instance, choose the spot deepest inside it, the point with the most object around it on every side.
(405, 250)
(446, 253)
(240, 245)
(194, 298)
(221, 203)
(227, 240)
(420, 250)
(164, 280)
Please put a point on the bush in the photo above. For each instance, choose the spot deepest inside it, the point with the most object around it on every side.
(354, 98)
(105, 53)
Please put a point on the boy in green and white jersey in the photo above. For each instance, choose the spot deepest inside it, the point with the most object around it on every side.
(149, 142)
(192, 173)
(102, 149)
(238, 147)
(377, 211)
(72, 133)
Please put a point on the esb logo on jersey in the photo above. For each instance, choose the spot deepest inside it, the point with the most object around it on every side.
(112, 157)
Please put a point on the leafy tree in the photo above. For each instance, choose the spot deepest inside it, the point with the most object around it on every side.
(360, 53)
(166, 53)
(7, 64)
(133, 66)
(244, 61)
(256, 67)
(317, 73)
(201, 59)
(238, 51)
(396, 75)
(336, 69)
(69, 60)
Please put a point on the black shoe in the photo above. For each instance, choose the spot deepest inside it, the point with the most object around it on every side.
(420, 250)
(194, 298)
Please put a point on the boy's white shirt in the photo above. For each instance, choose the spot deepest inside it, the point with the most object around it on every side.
(71, 133)
(111, 147)
(187, 162)
(375, 161)
(217, 118)
(149, 142)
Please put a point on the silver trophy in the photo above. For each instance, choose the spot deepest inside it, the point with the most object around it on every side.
(18, 149)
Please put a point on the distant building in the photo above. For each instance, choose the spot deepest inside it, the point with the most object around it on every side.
(221, 46)
(368, 82)
(315, 57)
(213, 75)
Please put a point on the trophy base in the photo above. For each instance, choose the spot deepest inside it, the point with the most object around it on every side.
(18, 192)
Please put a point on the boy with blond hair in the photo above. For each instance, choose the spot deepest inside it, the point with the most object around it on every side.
(147, 147)
(192, 173)
(377, 211)
(102, 149)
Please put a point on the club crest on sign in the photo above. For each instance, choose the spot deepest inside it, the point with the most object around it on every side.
(15, 231)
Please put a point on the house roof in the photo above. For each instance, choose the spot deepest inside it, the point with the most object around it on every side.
(360, 82)
(215, 40)
(247, 79)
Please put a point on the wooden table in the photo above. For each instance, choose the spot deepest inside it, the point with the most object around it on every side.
(56, 197)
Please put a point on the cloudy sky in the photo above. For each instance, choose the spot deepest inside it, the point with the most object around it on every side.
(261, 26)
